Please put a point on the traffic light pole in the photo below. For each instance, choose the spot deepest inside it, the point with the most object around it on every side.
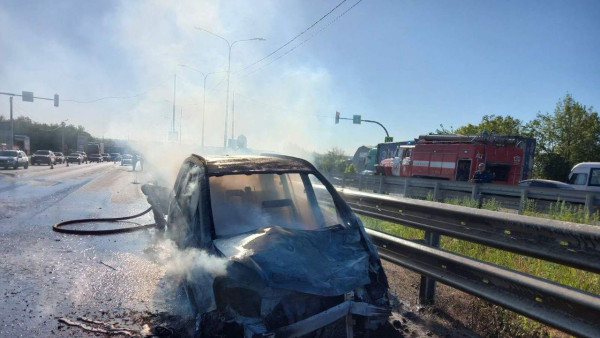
(357, 120)
(27, 96)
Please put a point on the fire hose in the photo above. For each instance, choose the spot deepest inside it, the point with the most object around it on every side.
(157, 197)
(58, 227)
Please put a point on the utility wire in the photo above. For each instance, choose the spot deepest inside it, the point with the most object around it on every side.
(297, 36)
(303, 42)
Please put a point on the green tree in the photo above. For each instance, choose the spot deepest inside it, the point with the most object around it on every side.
(47, 136)
(444, 131)
(493, 124)
(333, 161)
(568, 136)
(350, 169)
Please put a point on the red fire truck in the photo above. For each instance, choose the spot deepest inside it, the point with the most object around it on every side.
(456, 157)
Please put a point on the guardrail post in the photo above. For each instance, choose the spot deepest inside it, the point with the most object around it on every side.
(381, 184)
(427, 286)
(475, 191)
(344, 180)
(436, 191)
(589, 202)
(523, 201)
(477, 195)
(405, 193)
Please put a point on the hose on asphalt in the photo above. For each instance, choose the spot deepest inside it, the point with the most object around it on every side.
(58, 227)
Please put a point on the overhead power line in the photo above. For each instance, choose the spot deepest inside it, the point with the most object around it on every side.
(297, 36)
(301, 43)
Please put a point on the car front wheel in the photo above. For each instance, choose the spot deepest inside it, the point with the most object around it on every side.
(26, 165)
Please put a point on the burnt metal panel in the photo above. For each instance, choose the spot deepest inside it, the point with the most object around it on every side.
(248, 164)
(572, 244)
(559, 306)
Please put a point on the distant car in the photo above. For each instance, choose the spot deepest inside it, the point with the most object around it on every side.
(115, 157)
(84, 156)
(13, 159)
(126, 159)
(43, 157)
(297, 254)
(59, 157)
(538, 183)
(106, 156)
(96, 158)
(74, 158)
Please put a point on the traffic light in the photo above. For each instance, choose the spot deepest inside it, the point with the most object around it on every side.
(337, 117)
(56, 100)
(356, 119)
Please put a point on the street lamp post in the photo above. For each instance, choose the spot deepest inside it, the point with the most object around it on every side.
(228, 75)
(203, 95)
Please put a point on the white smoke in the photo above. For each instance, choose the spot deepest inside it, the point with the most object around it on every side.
(196, 269)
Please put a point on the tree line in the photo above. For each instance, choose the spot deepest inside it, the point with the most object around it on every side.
(48, 136)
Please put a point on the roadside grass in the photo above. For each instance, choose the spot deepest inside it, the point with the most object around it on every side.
(502, 322)
(562, 211)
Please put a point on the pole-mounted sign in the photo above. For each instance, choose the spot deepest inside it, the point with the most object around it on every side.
(27, 96)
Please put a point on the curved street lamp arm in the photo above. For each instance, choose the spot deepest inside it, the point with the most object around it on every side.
(217, 35)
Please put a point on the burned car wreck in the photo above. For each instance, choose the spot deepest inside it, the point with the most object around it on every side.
(299, 259)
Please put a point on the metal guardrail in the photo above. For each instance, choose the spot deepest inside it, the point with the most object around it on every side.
(513, 197)
(558, 306)
(570, 244)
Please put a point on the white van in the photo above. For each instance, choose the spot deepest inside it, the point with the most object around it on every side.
(585, 176)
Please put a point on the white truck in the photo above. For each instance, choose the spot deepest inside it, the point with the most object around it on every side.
(585, 176)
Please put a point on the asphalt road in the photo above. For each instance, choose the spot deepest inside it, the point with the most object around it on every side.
(50, 281)
(45, 276)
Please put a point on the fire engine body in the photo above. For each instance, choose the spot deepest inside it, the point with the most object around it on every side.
(456, 157)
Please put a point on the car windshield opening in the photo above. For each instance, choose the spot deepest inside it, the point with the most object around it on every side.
(243, 203)
(11, 153)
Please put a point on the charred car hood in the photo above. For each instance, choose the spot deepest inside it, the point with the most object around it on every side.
(325, 262)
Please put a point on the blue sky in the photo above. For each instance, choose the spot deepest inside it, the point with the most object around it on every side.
(411, 65)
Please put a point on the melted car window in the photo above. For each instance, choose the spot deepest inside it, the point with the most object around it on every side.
(242, 203)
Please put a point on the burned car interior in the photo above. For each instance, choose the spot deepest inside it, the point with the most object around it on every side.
(243, 203)
(298, 258)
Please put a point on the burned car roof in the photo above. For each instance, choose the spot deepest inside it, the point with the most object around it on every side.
(246, 164)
